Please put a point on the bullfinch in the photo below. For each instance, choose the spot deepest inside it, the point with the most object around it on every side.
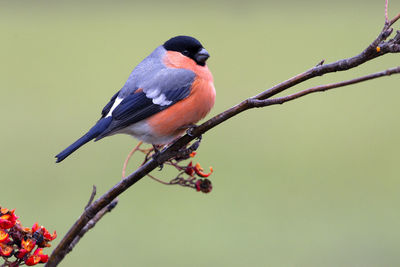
(168, 92)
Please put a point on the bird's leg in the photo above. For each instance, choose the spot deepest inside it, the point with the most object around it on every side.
(156, 156)
(190, 129)
(185, 153)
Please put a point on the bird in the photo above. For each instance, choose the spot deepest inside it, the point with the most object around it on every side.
(164, 96)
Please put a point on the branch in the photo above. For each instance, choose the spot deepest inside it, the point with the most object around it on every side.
(94, 220)
(377, 48)
(92, 224)
(94, 191)
(321, 88)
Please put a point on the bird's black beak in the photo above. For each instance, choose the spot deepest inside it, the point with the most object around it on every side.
(201, 57)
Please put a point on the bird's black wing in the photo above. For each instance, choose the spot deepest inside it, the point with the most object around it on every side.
(161, 92)
(107, 107)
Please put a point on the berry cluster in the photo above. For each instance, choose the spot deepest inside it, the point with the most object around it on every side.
(22, 245)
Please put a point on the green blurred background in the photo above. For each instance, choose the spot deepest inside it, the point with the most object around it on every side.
(314, 182)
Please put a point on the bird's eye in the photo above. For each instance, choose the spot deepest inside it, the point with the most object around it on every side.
(185, 52)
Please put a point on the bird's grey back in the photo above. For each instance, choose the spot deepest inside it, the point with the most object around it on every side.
(144, 71)
(152, 74)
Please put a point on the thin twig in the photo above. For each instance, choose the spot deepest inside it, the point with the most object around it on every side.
(94, 220)
(369, 53)
(158, 180)
(92, 223)
(386, 12)
(320, 63)
(91, 197)
(280, 100)
(393, 21)
(129, 157)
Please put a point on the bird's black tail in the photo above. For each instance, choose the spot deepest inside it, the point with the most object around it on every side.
(95, 131)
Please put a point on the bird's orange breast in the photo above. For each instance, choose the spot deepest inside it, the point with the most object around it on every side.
(173, 120)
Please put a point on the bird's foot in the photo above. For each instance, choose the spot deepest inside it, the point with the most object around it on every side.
(187, 152)
(190, 129)
(156, 156)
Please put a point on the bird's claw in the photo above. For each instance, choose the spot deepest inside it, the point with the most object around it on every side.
(190, 129)
(185, 153)
(156, 157)
(196, 144)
